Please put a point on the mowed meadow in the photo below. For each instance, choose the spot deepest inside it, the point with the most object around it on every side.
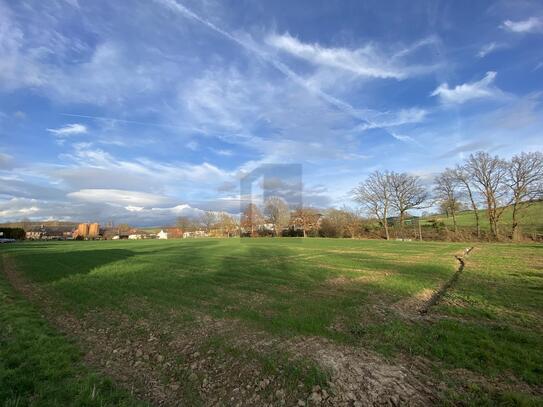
(273, 321)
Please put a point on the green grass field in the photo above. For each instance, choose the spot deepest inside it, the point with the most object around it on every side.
(530, 219)
(272, 321)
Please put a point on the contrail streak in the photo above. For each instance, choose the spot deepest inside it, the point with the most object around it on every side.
(130, 121)
(339, 104)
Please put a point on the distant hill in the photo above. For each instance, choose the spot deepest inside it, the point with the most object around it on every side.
(531, 219)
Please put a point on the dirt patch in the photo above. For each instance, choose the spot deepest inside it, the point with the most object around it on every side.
(409, 306)
(169, 364)
(361, 378)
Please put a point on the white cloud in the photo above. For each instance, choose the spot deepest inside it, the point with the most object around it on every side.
(36, 54)
(530, 25)
(10, 211)
(95, 168)
(367, 61)
(15, 209)
(69, 129)
(489, 48)
(468, 91)
(248, 44)
(17, 67)
(223, 152)
(109, 76)
(132, 208)
(119, 197)
(234, 107)
(403, 137)
(220, 99)
(395, 119)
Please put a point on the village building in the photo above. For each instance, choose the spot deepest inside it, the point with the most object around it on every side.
(43, 232)
(87, 231)
(195, 233)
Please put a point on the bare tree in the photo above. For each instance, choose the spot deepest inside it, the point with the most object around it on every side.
(305, 219)
(463, 176)
(276, 209)
(353, 222)
(407, 193)
(342, 222)
(227, 224)
(184, 223)
(489, 176)
(251, 218)
(334, 223)
(208, 219)
(447, 192)
(375, 195)
(525, 179)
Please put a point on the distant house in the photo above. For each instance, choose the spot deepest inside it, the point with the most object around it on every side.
(43, 232)
(162, 235)
(196, 233)
(135, 236)
(122, 236)
(33, 235)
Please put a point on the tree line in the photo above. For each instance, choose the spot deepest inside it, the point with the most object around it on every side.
(274, 219)
(385, 200)
(219, 222)
(481, 181)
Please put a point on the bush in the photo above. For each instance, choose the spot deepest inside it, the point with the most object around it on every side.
(13, 233)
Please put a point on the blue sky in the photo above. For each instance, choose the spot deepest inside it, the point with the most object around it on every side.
(142, 111)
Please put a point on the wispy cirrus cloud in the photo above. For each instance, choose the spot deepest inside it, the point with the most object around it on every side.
(249, 45)
(490, 48)
(313, 88)
(395, 119)
(530, 25)
(69, 130)
(37, 53)
(483, 88)
(368, 61)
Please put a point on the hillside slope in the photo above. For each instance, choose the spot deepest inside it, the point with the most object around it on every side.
(531, 218)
